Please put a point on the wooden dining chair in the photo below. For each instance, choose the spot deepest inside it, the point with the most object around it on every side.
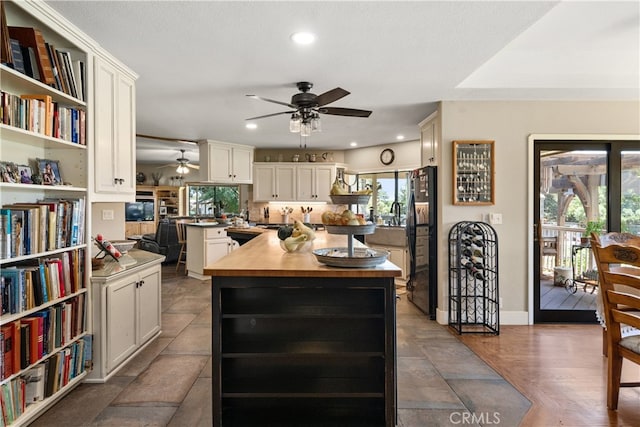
(619, 270)
(601, 240)
(181, 228)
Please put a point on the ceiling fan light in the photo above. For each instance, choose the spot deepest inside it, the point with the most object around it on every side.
(182, 169)
(305, 129)
(315, 124)
(294, 123)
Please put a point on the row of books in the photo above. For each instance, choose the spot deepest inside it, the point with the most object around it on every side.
(26, 341)
(40, 114)
(29, 285)
(46, 225)
(34, 57)
(43, 380)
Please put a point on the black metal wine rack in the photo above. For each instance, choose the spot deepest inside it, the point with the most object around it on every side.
(473, 278)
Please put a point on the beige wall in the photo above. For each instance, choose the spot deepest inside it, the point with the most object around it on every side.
(509, 124)
(110, 229)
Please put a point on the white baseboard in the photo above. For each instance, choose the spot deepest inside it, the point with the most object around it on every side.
(506, 317)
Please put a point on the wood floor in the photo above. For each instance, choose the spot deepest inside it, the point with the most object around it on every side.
(561, 369)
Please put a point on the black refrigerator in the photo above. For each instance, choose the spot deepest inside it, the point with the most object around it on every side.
(422, 286)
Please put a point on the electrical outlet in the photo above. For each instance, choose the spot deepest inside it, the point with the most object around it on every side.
(500, 302)
(107, 215)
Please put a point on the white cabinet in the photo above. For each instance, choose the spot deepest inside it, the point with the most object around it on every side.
(313, 182)
(397, 255)
(430, 139)
(114, 153)
(226, 163)
(127, 315)
(274, 182)
(291, 182)
(205, 245)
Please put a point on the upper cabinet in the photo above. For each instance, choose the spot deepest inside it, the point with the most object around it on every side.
(114, 153)
(274, 182)
(313, 182)
(430, 139)
(226, 163)
(285, 182)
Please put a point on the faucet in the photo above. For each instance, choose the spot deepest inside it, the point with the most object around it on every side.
(395, 211)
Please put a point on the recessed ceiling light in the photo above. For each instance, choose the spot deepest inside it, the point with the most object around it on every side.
(303, 37)
(400, 137)
(353, 144)
(251, 126)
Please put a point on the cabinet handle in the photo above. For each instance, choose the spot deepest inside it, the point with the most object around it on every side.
(141, 283)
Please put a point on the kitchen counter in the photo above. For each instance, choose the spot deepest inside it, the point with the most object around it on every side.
(293, 339)
(133, 259)
(264, 256)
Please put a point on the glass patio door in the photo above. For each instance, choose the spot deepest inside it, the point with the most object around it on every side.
(582, 186)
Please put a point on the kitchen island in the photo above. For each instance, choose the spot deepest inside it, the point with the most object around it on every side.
(296, 342)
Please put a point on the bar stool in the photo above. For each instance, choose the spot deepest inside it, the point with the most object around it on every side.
(181, 228)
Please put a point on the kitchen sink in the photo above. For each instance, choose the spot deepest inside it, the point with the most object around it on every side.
(388, 236)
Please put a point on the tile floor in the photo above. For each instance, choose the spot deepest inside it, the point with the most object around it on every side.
(440, 381)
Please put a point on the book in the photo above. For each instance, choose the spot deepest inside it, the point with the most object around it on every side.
(9, 347)
(5, 234)
(34, 380)
(48, 110)
(32, 37)
(16, 52)
(32, 338)
(25, 344)
(30, 64)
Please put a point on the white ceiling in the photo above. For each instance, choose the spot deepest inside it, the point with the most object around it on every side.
(197, 60)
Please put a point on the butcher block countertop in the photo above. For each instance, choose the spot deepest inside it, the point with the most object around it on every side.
(263, 256)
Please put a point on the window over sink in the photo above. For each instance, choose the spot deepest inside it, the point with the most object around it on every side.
(212, 199)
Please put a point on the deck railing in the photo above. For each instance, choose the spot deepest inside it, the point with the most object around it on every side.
(567, 239)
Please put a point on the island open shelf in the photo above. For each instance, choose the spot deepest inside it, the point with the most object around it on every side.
(295, 341)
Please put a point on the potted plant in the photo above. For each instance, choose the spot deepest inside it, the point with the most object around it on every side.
(591, 227)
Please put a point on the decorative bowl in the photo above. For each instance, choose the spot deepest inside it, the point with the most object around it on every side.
(123, 245)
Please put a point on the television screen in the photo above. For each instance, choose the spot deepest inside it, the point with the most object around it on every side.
(139, 211)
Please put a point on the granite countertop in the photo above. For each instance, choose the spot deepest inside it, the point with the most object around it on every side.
(263, 256)
(133, 259)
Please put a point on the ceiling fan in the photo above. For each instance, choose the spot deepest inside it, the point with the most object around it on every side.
(306, 106)
(183, 164)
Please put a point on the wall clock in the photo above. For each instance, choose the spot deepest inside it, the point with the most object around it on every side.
(387, 156)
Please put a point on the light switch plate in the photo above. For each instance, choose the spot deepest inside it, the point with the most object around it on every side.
(107, 215)
(495, 218)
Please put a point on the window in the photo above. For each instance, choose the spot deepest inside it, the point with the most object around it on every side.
(209, 199)
(388, 187)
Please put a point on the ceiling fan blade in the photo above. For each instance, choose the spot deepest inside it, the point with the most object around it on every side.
(331, 96)
(352, 112)
(192, 166)
(271, 115)
(272, 100)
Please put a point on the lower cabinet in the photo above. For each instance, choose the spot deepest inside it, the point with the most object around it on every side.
(127, 316)
(397, 255)
(205, 245)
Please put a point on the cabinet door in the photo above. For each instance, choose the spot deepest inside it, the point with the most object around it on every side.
(125, 135)
(285, 182)
(114, 155)
(120, 328)
(264, 187)
(105, 131)
(398, 257)
(305, 185)
(220, 166)
(149, 294)
(216, 249)
(242, 165)
(324, 177)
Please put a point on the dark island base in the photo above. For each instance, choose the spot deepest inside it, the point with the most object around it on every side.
(292, 351)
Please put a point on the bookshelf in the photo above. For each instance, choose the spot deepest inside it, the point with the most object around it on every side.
(45, 264)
